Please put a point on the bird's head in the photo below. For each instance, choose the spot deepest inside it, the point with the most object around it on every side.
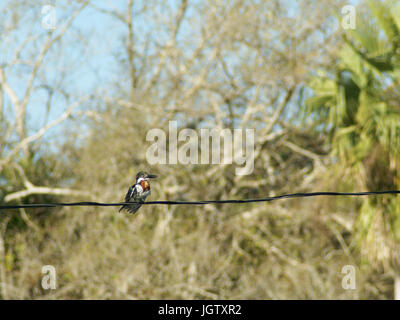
(143, 175)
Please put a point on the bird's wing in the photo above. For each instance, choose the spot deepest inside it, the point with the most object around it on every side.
(131, 193)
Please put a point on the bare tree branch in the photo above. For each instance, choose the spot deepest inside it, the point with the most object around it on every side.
(14, 100)
(303, 152)
(50, 41)
(25, 142)
(44, 190)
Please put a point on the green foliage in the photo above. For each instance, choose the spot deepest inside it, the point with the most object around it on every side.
(366, 122)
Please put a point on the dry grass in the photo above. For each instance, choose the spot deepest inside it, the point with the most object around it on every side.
(258, 252)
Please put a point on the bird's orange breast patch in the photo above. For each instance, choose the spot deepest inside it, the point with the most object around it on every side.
(145, 185)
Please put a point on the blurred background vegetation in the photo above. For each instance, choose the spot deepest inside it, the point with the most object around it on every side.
(76, 103)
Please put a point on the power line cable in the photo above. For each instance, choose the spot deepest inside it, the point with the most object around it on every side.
(203, 202)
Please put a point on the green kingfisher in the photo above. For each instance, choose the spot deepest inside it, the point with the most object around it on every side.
(138, 192)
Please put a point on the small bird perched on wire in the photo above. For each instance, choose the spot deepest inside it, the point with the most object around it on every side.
(138, 192)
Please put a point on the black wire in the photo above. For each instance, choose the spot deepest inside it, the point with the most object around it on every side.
(117, 204)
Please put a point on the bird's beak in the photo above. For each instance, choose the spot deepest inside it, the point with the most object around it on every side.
(152, 176)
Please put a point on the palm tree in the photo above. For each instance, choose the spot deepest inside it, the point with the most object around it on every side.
(358, 102)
